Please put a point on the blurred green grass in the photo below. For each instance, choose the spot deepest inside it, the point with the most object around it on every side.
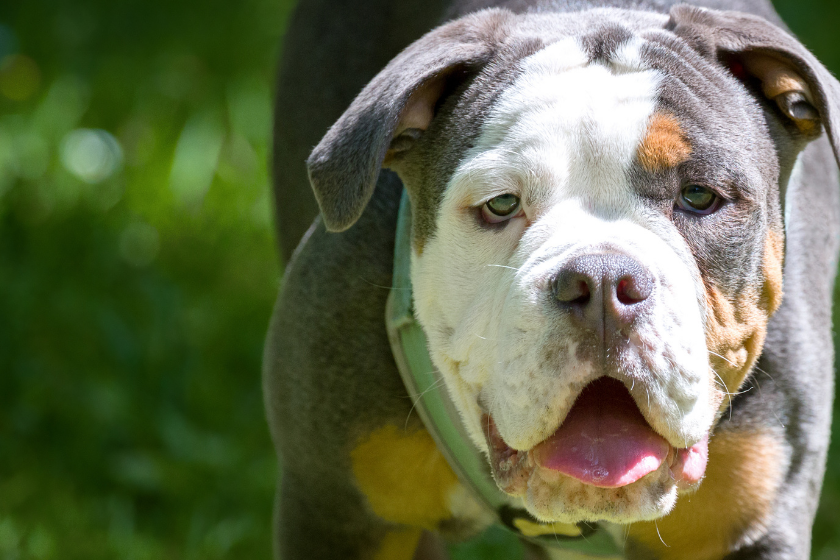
(137, 274)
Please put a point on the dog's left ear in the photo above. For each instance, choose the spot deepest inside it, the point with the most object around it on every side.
(393, 110)
(805, 91)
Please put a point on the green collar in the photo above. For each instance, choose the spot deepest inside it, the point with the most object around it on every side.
(441, 418)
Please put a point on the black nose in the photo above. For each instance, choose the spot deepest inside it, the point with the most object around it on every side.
(603, 292)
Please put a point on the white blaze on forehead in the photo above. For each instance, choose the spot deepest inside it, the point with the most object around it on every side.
(590, 118)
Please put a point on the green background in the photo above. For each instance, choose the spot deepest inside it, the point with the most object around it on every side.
(138, 270)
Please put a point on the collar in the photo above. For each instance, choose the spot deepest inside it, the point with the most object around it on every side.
(424, 382)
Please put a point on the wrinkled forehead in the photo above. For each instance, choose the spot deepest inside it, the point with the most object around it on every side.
(568, 120)
(604, 99)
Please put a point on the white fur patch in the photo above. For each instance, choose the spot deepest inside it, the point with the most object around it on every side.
(562, 138)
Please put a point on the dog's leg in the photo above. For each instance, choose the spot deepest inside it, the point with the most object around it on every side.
(320, 522)
(330, 521)
(338, 411)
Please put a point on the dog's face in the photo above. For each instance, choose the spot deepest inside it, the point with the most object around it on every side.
(607, 223)
(597, 247)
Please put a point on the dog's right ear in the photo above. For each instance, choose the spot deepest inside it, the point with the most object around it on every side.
(804, 90)
(395, 107)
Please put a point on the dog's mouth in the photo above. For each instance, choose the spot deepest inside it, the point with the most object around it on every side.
(604, 442)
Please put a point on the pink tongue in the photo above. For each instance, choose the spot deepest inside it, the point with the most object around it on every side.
(604, 441)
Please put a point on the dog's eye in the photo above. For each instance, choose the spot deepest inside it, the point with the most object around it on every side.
(698, 200)
(501, 208)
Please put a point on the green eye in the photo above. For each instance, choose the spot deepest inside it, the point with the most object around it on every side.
(698, 199)
(503, 205)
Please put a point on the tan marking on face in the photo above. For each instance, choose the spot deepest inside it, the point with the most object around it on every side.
(735, 331)
(665, 145)
(404, 477)
(774, 254)
(735, 499)
(736, 326)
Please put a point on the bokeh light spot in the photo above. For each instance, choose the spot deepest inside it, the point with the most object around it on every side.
(20, 77)
(92, 155)
(196, 158)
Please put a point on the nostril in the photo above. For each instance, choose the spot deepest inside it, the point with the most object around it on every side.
(572, 288)
(602, 293)
(583, 298)
(629, 291)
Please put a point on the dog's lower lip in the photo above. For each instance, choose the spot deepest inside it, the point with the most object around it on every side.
(511, 468)
(688, 465)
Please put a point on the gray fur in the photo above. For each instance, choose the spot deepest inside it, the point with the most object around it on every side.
(331, 50)
(344, 166)
(329, 376)
(735, 32)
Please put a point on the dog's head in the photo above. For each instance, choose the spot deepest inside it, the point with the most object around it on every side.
(597, 231)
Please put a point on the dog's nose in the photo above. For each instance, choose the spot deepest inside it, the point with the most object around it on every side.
(603, 292)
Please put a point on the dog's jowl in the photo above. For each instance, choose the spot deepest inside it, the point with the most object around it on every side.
(621, 225)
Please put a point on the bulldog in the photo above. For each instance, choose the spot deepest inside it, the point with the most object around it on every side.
(607, 201)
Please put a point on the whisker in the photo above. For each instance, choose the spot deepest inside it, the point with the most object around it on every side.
(435, 385)
(583, 535)
(727, 360)
(721, 379)
(755, 367)
(375, 285)
(655, 524)
(725, 390)
(485, 338)
(725, 387)
(773, 410)
(505, 266)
